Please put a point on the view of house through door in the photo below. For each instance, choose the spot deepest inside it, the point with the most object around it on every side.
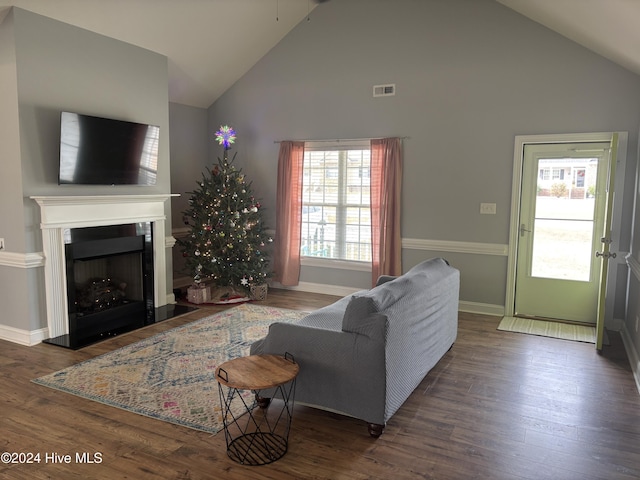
(561, 224)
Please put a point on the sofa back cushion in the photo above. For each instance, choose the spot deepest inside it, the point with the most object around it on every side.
(358, 307)
(329, 317)
(361, 316)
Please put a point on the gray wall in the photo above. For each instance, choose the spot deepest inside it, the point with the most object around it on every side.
(15, 301)
(61, 67)
(470, 76)
(631, 329)
(190, 138)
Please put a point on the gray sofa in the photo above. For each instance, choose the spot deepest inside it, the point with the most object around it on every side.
(363, 355)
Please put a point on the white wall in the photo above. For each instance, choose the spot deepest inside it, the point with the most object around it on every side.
(61, 67)
(470, 76)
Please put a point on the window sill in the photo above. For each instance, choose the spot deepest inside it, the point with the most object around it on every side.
(333, 263)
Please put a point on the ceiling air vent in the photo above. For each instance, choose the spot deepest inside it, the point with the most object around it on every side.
(384, 90)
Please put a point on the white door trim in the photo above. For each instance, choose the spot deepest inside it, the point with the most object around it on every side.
(516, 190)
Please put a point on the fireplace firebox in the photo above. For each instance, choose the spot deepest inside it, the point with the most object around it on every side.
(109, 272)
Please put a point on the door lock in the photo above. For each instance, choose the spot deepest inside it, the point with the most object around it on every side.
(523, 230)
(606, 255)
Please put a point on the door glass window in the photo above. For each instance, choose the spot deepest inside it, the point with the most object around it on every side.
(564, 219)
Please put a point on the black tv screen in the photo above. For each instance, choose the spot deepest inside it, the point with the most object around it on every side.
(104, 151)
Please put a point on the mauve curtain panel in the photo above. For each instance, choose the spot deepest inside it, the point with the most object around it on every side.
(386, 189)
(286, 258)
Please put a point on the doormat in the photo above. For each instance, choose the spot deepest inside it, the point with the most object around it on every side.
(171, 376)
(543, 328)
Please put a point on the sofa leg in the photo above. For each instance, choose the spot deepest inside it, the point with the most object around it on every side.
(375, 429)
(263, 402)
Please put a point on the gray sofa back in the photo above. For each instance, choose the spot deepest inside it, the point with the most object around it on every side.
(421, 307)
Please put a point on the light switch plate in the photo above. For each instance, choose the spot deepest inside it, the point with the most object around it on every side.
(488, 208)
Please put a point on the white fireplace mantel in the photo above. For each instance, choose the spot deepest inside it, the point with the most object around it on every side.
(58, 213)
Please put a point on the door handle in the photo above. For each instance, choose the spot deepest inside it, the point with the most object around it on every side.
(523, 229)
(606, 255)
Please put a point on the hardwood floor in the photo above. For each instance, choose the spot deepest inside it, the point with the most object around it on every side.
(498, 406)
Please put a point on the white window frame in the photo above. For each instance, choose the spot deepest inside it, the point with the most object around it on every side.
(329, 262)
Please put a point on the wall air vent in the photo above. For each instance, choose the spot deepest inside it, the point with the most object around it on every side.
(384, 90)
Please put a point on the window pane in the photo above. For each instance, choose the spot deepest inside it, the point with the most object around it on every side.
(336, 216)
(353, 233)
(365, 217)
(329, 215)
(353, 216)
(314, 160)
(331, 192)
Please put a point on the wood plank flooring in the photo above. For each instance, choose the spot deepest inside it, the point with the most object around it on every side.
(499, 405)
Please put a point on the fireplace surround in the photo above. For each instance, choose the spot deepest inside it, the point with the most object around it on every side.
(60, 214)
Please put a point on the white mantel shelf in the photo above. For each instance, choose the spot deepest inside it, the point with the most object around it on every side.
(94, 210)
(58, 213)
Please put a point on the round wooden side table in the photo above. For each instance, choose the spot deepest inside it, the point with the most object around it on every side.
(257, 436)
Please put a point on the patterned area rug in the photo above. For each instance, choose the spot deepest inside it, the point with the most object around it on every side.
(171, 376)
(564, 331)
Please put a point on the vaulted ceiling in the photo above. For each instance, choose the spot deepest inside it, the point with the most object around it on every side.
(211, 44)
(608, 27)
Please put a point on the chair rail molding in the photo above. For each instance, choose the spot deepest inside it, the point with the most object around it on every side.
(21, 260)
(456, 246)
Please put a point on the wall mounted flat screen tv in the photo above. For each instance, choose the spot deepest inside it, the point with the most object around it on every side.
(104, 151)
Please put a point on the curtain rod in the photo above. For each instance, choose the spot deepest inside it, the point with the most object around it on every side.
(338, 140)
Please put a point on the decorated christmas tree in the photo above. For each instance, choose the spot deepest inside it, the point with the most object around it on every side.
(227, 238)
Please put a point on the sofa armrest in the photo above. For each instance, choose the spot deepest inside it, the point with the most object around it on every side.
(384, 279)
(340, 371)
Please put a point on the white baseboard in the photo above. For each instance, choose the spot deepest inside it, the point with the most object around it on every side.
(481, 308)
(23, 337)
(616, 325)
(309, 287)
(632, 354)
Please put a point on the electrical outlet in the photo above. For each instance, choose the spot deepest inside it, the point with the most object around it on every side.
(1, 243)
(488, 208)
